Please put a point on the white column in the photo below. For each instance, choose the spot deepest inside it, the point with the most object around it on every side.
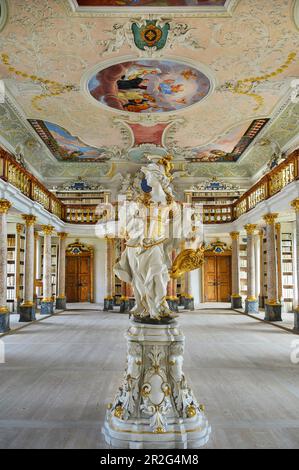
(272, 304)
(251, 305)
(27, 310)
(61, 299)
(4, 313)
(236, 299)
(47, 301)
(257, 265)
(295, 205)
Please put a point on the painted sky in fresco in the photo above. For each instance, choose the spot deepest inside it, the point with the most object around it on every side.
(149, 86)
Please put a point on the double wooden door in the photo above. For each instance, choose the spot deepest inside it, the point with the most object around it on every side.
(78, 278)
(217, 278)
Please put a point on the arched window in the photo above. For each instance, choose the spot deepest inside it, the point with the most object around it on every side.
(3, 13)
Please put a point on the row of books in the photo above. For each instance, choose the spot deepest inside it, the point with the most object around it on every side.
(288, 293)
(287, 267)
(287, 279)
(10, 294)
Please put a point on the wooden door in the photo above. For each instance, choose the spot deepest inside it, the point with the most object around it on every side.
(84, 279)
(223, 278)
(72, 279)
(78, 279)
(217, 279)
(210, 272)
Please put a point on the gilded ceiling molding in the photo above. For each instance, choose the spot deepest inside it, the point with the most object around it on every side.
(227, 10)
(296, 12)
(3, 13)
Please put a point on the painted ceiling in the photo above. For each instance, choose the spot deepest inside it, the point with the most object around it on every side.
(95, 87)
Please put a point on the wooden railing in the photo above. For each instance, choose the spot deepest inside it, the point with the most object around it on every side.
(268, 186)
(15, 174)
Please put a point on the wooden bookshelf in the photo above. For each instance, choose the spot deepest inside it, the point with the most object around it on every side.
(287, 271)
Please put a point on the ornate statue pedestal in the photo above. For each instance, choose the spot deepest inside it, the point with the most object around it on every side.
(154, 407)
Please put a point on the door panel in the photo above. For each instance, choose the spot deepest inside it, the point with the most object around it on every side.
(210, 279)
(71, 279)
(84, 280)
(223, 278)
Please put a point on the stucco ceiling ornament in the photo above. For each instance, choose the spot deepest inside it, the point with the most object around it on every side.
(79, 185)
(214, 184)
(130, 33)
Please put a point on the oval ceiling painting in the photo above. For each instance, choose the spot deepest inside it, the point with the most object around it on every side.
(149, 86)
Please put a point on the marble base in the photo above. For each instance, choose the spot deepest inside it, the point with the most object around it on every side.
(155, 408)
(251, 306)
(27, 314)
(273, 312)
(18, 308)
(261, 301)
(108, 305)
(124, 306)
(296, 321)
(189, 303)
(4, 322)
(173, 304)
(46, 308)
(132, 303)
(61, 303)
(236, 302)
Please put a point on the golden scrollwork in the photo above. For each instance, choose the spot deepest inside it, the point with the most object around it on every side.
(4, 206)
(250, 228)
(186, 261)
(47, 229)
(295, 204)
(235, 235)
(62, 235)
(29, 219)
(270, 218)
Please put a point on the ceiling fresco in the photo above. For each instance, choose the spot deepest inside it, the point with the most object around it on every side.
(235, 73)
(149, 86)
(149, 3)
(64, 146)
(231, 145)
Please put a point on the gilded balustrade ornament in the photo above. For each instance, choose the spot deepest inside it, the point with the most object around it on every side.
(4, 206)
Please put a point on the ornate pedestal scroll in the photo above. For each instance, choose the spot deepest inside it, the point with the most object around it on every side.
(155, 407)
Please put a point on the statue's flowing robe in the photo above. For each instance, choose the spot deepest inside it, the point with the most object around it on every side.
(147, 270)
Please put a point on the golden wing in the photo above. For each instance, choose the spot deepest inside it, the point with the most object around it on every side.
(186, 261)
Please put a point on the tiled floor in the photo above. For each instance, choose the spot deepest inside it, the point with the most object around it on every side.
(61, 372)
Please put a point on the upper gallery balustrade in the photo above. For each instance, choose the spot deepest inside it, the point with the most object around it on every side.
(269, 185)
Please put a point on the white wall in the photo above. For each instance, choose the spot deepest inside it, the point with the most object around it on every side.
(99, 246)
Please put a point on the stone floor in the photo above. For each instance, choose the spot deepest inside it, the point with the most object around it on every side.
(61, 372)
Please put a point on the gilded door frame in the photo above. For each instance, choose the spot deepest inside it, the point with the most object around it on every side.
(78, 249)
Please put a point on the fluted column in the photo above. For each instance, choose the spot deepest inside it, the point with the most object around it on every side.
(124, 300)
(257, 264)
(27, 308)
(261, 268)
(295, 205)
(108, 300)
(47, 304)
(61, 299)
(18, 299)
(251, 303)
(4, 313)
(272, 304)
(279, 266)
(236, 299)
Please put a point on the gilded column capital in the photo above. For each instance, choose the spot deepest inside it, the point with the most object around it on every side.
(62, 235)
(295, 204)
(235, 235)
(47, 229)
(36, 235)
(250, 228)
(4, 206)
(19, 228)
(29, 219)
(270, 218)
